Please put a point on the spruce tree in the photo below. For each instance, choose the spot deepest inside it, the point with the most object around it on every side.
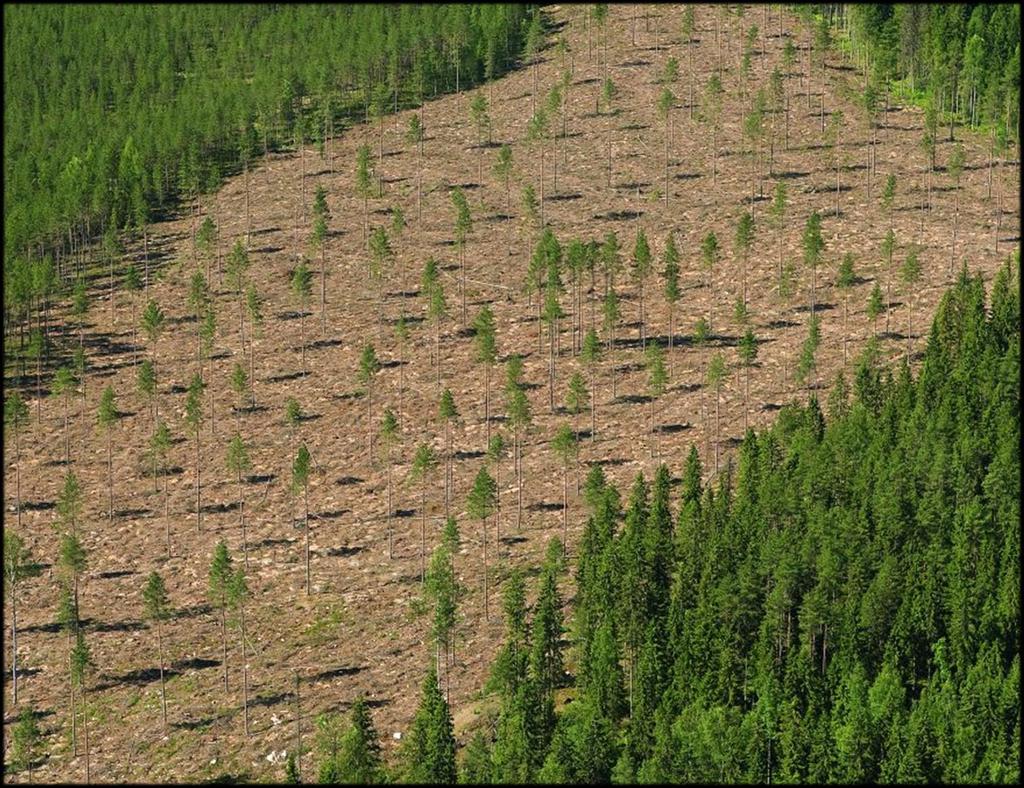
(359, 760)
(429, 753)
(591, 357)
(657, 380)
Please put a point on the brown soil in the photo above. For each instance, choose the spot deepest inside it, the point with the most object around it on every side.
(379, 645)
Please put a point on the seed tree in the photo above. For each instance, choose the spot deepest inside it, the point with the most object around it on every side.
(910, 273)
(463, 226)
(495, 451)
(302, 287)
(590, 355)
(487, 354)
(238, 463)
(369, 366)
(503, 169)
(81, 669)
(106, 418)
(390, 436)
(657, 380)
(153, 321)
(777, 212)
(670, 272)
(567, 450)
(813, 246)
(423, 463)
(519, 416)
(748, 356)
(845, 280)
(15, 417)
(159, 449)
(709, 253)
(480, 505)
(641, 270)
(381, 257)
(158, 610)
(716, 377)
(300, 481)
(448, 414)
(219, 592)
(18, 566)
(318, 243)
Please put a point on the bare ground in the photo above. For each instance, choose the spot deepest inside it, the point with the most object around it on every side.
(359, 631)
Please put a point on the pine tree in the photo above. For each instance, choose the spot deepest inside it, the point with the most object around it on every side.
(194, 420)
(219, 591)
(641, 270)
(875, 306)
(106, 417)
(238, 593)
(748, 355)
(744, 240)
(424, 461)
(845, 280)
(777, 210)
(318, 243)
(480, 504)
(81, 668)
(390, 434)
(441, 587)
(157, 605)
(487, 354)
(716, 376)
(18, 565)
(911, 274)
(656, 382)
(503, 169)
(238, 462)
(576, 399)
(670, 259)
(709, 257)
(591, 356)
(369, 366)
(448, 414)
(301, 286)
(813, 246)
(300, 479)
(159, 446)
(153, 320)
(15, 416)
(888, 248)
(254, 306)
(25, 742)
(69, 502)
(565, 446)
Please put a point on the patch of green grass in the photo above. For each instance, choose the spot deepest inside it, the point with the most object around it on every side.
(326, 625)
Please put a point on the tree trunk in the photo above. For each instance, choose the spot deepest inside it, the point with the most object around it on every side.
(305, 522)
(199, 513)
(163, 689)
(224, 639)
(487, 615)
(14, 645)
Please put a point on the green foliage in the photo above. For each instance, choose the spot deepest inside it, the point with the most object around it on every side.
(428, 754)
(483, 497)
(26, 739)
(155, 599)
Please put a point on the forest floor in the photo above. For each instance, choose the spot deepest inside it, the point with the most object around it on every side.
(362, 629)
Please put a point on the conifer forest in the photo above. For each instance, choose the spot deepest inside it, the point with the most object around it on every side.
(494, 393)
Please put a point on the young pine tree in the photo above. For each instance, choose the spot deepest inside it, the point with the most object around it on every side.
(158, 610)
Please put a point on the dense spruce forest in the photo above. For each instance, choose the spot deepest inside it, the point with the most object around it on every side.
(843, 606)
(260, 436)
(139, 108)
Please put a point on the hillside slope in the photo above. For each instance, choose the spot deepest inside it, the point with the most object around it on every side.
(359, 631)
